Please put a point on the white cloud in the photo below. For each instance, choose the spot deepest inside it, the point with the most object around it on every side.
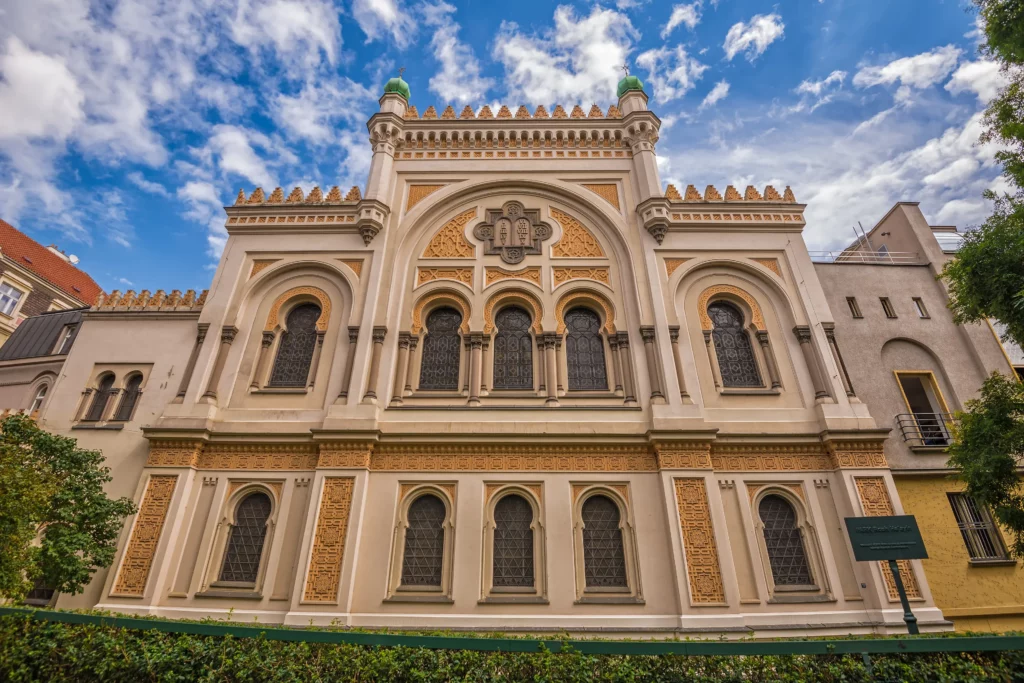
(205, 207)
(139, 181)
(39, 97)
(670, 72)
(718, 93)
(459, 79)
(919, 71)
(753, 37)
(298, 30)
(682, 14)
(378, 18)
(816, 88)
(232, 147)
(125, 281)
(313, 113)
(982, 77)
(577, 60)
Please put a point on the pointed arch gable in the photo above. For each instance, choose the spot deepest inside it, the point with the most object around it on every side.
(306, 292)
(519, 296)
(450, 240)
(717, 290)
(437, 298)
(576, 240)
(582, 296)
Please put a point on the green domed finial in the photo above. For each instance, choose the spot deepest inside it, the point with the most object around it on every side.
(398, 86)
(629, 83)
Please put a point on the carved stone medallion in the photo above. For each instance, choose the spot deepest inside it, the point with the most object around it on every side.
(513, 232)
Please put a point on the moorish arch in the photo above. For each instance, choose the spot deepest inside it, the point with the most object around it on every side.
(513, 296)
(590, 298)
(438, 298)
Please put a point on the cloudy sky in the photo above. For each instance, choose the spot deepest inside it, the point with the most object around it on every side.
(125, 125)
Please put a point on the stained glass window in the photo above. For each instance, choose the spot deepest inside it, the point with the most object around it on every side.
(732, 345)
(604, 560)
(439, 367)
(785, 544)
(298, 341)
(245, 542)
(100, 398)
(513, 350)
(129, 399)
(424, 543)
(584, 351)
(513, 542)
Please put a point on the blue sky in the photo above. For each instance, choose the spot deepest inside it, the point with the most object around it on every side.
(125, 125)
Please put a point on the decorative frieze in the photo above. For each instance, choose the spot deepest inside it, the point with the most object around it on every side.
(345, 454)
(671, 264)
(218, 456)
(769, 458)
(705, 297)
(494, 274)
(702, 565)
(328, 551)
(875, 501)
(771, 264)
(295, 292)
(683, 455)
(452, 298)
(463, 275)
(450, 241)
(512, 458)
(144, 302)
(149, 523)
(596, 273)
(174, 453)
(857, 454)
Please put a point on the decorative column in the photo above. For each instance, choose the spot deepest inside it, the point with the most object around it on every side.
(315, 363)
(413, 343)
(483, 364)
(673, 335)
(613, 345)
(648, 335)
(83, 407)
(540, 363)
(803, 335)
(830, 334)
(559, 363)
(551, 366)
(627, 368)
(346, 380)
(769, 358)
(261, 360)
(378, 345)
(186, 377)
(227, 335)
(716, 374)
(476, 344)
(404, 339)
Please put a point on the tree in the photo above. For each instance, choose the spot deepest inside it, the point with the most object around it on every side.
(1004, 118)
(57, 525)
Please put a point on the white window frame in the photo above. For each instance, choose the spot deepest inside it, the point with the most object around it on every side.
(22, 295)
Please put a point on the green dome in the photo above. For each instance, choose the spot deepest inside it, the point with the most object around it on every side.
(630, 83)
(397, 85)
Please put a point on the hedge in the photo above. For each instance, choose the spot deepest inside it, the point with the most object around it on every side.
(37, 650)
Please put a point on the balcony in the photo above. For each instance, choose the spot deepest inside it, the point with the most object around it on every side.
(883, 258)
(925, 431)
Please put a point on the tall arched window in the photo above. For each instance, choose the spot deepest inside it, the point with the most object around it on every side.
(439, 367)
(513, 543)
(298, 342)
(423, 556)
(736, 359)
(784, 543)
(129, 399)
(604, 558)
(37, 402)
(513, 350)
(245, 542)
(100, 398)
(584, 351)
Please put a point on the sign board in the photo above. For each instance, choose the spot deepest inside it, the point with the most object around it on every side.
(885, 538)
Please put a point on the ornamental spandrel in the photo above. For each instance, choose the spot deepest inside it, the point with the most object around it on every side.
(513, 232)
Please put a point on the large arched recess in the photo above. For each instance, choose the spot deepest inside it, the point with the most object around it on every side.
(607, 225)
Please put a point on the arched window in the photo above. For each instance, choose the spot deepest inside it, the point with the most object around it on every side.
(584, 351)
(439, 368)
(423, 557)
(784, 543)
(732, 345)
(298, 341)
(513, 543)
(604, 558)
(513, 350)
(245, 543)
(128, 400)
(100, 397)
(37, 402)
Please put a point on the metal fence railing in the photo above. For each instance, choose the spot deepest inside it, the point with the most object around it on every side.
(893, 258)
(925, 429)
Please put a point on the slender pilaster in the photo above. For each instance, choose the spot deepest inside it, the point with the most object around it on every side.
(613, 345)
(413, 343)
(830, 334)
(673, 335)
(378, 346)
(402, 372)
(627, 369)
(559, 363)
(486, 354)
(769, 358)
(713, 359)
(647, 333)
(190, 367)
(540, 363)
(227, 335)
(476, 343)
(803, 335)
(315, 364)
(551, 365)
(346, 380)
(262, 359)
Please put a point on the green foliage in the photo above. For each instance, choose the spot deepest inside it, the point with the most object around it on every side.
(1004, 29)
(33, 650)
(988, 447)
(57, 525)
(1004, 118)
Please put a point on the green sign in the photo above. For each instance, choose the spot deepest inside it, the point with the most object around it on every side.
(886, 538)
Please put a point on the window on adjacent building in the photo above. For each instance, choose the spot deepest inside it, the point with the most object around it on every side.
(513, 350)
(295, 353)
(926, 423)
(851, 301)
(513, 543)
(922, 312)
(604, 558)
(784, 543)
(245, 540)
(9, 298)
(979, 532)
(890, 312)
(584, 351)
(442, 349)
(736, 361)
(101, 396)
(423, 556)
(64, 341)
(37, 402)
(132, 391)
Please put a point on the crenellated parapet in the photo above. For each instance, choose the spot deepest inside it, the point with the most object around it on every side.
(711, 194)
(316, 197)
(316, 210)
(144, 301)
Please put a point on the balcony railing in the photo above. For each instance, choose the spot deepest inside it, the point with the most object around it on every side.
(925, 430)
(890, 258)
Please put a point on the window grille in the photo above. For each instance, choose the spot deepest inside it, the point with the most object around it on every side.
(442, 346)
(245, 542)
(785, 544)
(99, 399)
(513, 543)
(298, 341)
(584, 351)
(423, 557)
(513, 350)
(604, 559)
(977, 528)
(736, 359)
(128, 400)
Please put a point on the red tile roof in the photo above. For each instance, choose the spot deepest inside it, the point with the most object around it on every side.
(33, 256)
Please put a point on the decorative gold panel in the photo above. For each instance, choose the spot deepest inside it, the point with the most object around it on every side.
(597, 273)
(580, 296)
(672, 263)
(417, 193)
(275, 486)
(576, 240)
(450, 241)
(512, 458)
(705, 297)
(463, 275)
(702, 566)
(315, 292)
(355, 264)
(259, 266)
(174, 453)
(518, 296)
(754, 487)
(138, 556)
(342, 454)
(447, 297)
(609, 193)
(258, 457)
(491, 488)
(405, 488)
(494, 274)
(769, 458)
(621, 489)
(328, 549)
(857, 454)
(683, 456)
(769, 263)
(874, 498)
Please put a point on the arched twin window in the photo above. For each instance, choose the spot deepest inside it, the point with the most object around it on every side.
(604, 557)
(584, 351)
(736, 361)
(423, 555)
(100, 398)
(244, 549)
(132, 391)
(442, 346)
(784, 543)
(513, 543)
(295, 352)
(513, 349)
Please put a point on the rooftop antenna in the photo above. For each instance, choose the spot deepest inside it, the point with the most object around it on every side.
(866, 239)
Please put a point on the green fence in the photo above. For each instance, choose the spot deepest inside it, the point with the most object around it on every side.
(863, 646)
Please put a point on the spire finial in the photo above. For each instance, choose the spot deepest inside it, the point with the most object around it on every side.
(625, 69)
(401, 71)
